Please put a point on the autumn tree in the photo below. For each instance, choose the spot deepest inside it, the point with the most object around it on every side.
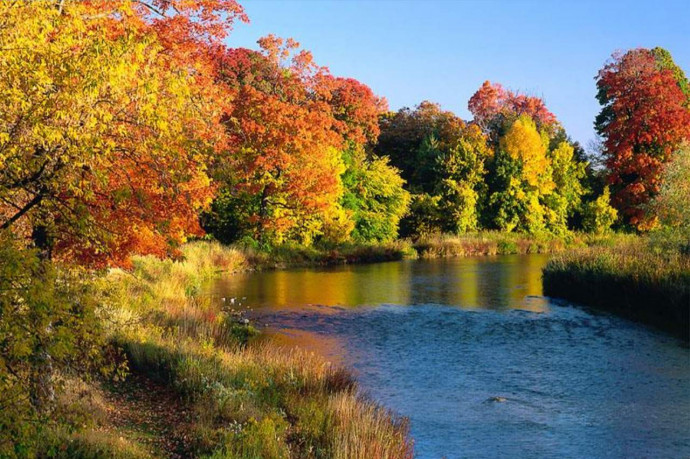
(355, 108)
(493, 107)
(534, 187)
(104, 135)
(105, 132)
(645, 116)
(282, 168)
(522, 176)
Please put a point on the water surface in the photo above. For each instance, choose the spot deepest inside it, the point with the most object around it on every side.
(438, 340)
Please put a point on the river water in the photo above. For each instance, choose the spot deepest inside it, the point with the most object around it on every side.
(480, 362)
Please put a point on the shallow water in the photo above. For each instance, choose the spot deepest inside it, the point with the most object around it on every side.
(437, 340)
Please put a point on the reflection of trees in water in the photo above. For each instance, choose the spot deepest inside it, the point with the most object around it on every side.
(492, 282)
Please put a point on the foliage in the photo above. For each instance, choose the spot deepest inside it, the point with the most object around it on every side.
(492, 105)
(283, 166)
(424, 218)
(374, 194)
(461, 181)
(645, 115)
(599, 215)
(670, 206)
(48, 323)
(414, 140)
(569, 177)
(289, 126)
(102, 154)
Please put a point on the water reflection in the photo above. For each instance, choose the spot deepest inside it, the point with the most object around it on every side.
(498, 283)
(443, 337)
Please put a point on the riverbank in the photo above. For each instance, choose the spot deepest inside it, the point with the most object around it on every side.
(244, 399)
(481, 243)
(633, 278)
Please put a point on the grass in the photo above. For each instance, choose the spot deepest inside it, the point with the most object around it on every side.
(431, 246)
(501, 243)
(247, 399)
(633, 277)
(347, 253)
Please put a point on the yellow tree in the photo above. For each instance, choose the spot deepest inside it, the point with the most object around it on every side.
(104, 137)
(522, 177)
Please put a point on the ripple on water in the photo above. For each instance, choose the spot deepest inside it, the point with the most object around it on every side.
(436, 340)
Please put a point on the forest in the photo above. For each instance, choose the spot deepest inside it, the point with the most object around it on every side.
(131, 129)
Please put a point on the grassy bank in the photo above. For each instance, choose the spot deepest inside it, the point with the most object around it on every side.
(239, 397)
(434, 246)
(245, 399)
(290, 255)
(633, 278)
(501, 243)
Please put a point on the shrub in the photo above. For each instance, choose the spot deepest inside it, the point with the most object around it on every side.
(599, 215)
(48, 323)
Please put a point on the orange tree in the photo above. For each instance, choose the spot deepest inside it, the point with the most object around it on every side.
(104, 131)
(286, 128)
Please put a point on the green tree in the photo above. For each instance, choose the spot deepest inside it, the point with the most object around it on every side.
(566, 199)
(521, 179)
(374, 195)
(460, 184)
(414, 140)
(599, 215)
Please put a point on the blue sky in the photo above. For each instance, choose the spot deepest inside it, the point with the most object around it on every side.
(442, 51)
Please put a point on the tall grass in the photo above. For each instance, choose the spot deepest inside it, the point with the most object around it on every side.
(327, 254)
(632, 277)
(486, 243)
(250, 399)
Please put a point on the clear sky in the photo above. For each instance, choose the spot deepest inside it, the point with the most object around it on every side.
(409, 51)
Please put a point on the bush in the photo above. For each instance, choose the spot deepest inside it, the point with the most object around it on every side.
(48, 323)
(599, 215)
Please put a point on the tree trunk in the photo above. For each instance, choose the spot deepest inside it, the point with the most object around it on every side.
(42, 384)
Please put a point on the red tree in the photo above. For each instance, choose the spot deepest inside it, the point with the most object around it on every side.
(492, 103)
(644, 118)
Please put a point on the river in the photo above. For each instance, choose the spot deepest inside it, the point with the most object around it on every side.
(480, 362)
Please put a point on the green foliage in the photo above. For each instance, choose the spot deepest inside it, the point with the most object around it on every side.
(599, 215)
(374, 195)
(424, 218)
(228, 219)
(461, 182)
(670, 206)
(507, 202)
(415, 139)
(48, 323)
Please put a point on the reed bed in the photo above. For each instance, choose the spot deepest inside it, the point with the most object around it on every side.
(633, 277)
